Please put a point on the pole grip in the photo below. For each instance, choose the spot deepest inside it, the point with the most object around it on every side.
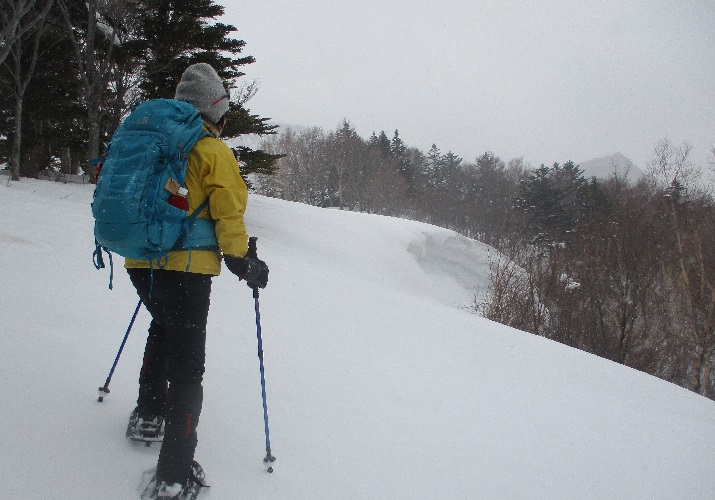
(252, 248)
(253, 254)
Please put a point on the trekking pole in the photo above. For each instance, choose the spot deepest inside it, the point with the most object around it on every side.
(269, 458)
(104, 391)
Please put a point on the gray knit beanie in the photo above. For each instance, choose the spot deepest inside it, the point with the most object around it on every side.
(201, 86)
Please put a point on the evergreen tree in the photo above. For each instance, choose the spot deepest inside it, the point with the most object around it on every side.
(434, 167)
(381, 143)
(347, 158)
(555, 200)
(398, 151)
(241, 122)
(491, 191)
(539, 199)
(572, 187)
(451, 164)
(397, 146)
(172, 35)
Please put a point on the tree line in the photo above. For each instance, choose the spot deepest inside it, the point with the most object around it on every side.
(70, 71)
(383, 175)
(621, 270)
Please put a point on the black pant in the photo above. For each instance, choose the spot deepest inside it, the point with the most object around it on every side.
(174, 358)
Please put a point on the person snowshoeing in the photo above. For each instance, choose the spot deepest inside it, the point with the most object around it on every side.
(176, 292)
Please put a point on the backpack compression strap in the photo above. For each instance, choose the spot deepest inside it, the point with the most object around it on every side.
(98, 258)
(205, 228)
(99, 261)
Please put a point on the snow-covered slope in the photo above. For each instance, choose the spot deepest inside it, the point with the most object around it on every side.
(380, 384)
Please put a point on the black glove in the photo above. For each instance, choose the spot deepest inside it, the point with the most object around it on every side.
(251, 269)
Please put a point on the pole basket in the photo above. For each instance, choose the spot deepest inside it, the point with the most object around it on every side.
(268, 462)
(103, 392)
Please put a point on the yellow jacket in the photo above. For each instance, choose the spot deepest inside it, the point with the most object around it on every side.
(212, 173)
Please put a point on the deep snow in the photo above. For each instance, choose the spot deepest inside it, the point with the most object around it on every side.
(380, 383)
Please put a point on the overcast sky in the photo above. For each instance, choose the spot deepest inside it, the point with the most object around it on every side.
(549, 80)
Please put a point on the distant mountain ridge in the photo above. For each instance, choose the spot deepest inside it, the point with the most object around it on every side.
(606, 166)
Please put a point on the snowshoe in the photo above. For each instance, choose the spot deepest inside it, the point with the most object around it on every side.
(160, 490)
(147, 430)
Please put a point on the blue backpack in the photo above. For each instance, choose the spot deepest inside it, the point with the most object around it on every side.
(135, 207)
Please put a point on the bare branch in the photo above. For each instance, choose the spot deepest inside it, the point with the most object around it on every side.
(15, 21)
